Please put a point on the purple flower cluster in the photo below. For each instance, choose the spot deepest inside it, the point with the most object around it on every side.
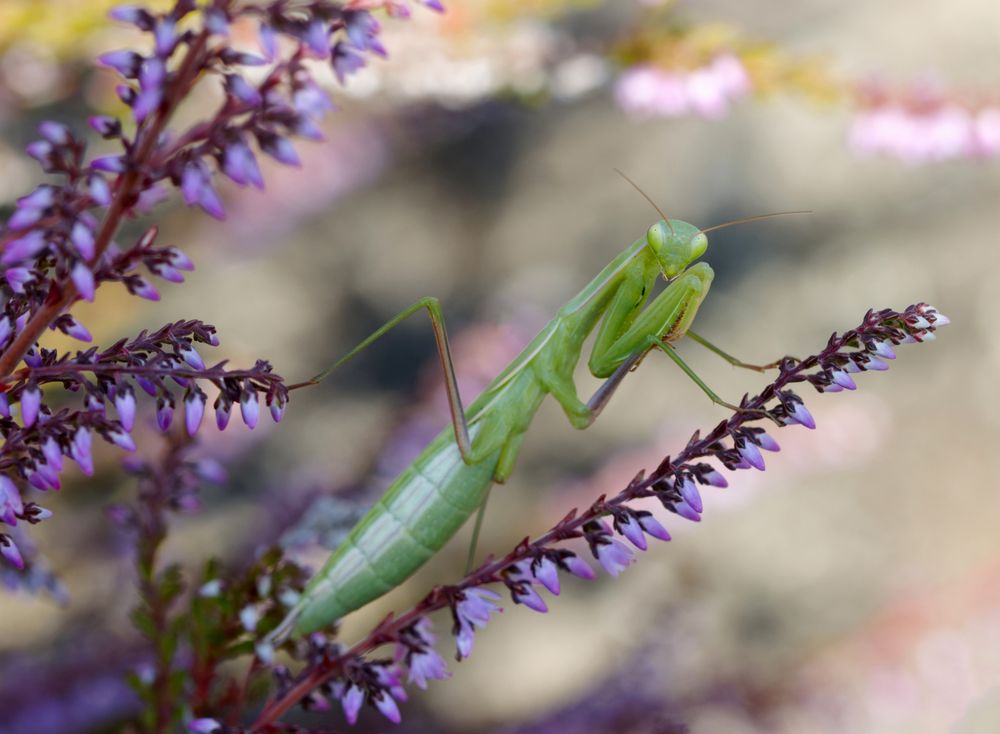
(59, 245)
(924, 128)
(733, 444)
(647, 90)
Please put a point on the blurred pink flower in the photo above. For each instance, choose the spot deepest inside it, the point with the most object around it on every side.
(647, 91)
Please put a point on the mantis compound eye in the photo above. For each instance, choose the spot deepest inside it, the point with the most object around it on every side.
(698, 245)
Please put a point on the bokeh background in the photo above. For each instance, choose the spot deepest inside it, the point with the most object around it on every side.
(852, 587)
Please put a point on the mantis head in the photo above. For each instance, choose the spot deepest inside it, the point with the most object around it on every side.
(676, 245)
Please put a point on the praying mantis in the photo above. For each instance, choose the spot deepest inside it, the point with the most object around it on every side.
(450, 480)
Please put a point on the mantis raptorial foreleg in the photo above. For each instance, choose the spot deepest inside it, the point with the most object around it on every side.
(734, 361)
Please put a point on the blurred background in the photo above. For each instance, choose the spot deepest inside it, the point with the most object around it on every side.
(852, 587)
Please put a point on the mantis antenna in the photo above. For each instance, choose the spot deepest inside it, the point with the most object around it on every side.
(647, 198)
(754, 219)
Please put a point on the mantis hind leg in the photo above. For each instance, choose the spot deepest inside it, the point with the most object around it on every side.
(433, 307)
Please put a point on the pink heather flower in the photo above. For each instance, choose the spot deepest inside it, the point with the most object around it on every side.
(426, 665)
(648, 91)
(614, 556)
(351, 703)
(987, 132)
(547, 574)
(10, 552)
(250, 408)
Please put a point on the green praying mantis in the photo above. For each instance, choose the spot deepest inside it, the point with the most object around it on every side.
(450, 480)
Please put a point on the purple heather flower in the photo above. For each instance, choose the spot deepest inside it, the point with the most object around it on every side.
(477, 605)
(122, 440)
(614, 556)
(125, 405)
(109, 164)
(216, 22)
(40, 150)
(652, 526)
(77, 330)
(387, 706)
(196, 188)
(125, 62)
(689, 491)
(579, 567)
(801, 416)
(178, 259)
(31, 400)
(547, 574)
(362, 30)
(464, 639)
(874, 363)
(23, 248)
(105, 126)
(312, 101)
(144, 289)
(17, 277)
(279, 148)
(243, 90)
(10, 501)
(6, 330)
(194, 411)
(210, 589)
(884, 349)
(210, 470)
(53, 453)
(345, 61)
(240, 165)
(204, 726)
(351, 703)
(840, 377)
(39, 513)
(766, 442)
(165, 36)
(148, 387)
(99, 190)
(9, 551)
(268, 42)
(190, 355)
(83, 279)
(630, 528)
(249, 617)
(249, 408)
(4, 405)
(83, 240)
(686, 511)
(277, 408)
(426, 665)
(750, 453)
(317, 38)
(55, 132)
(164, 414)
(167, 273)
(526, 595)
(80, 450)
(223, 410)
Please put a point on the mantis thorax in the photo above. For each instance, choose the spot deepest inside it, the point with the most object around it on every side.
(676, 245)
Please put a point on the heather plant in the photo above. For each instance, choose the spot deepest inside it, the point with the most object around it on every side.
(69, 237)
